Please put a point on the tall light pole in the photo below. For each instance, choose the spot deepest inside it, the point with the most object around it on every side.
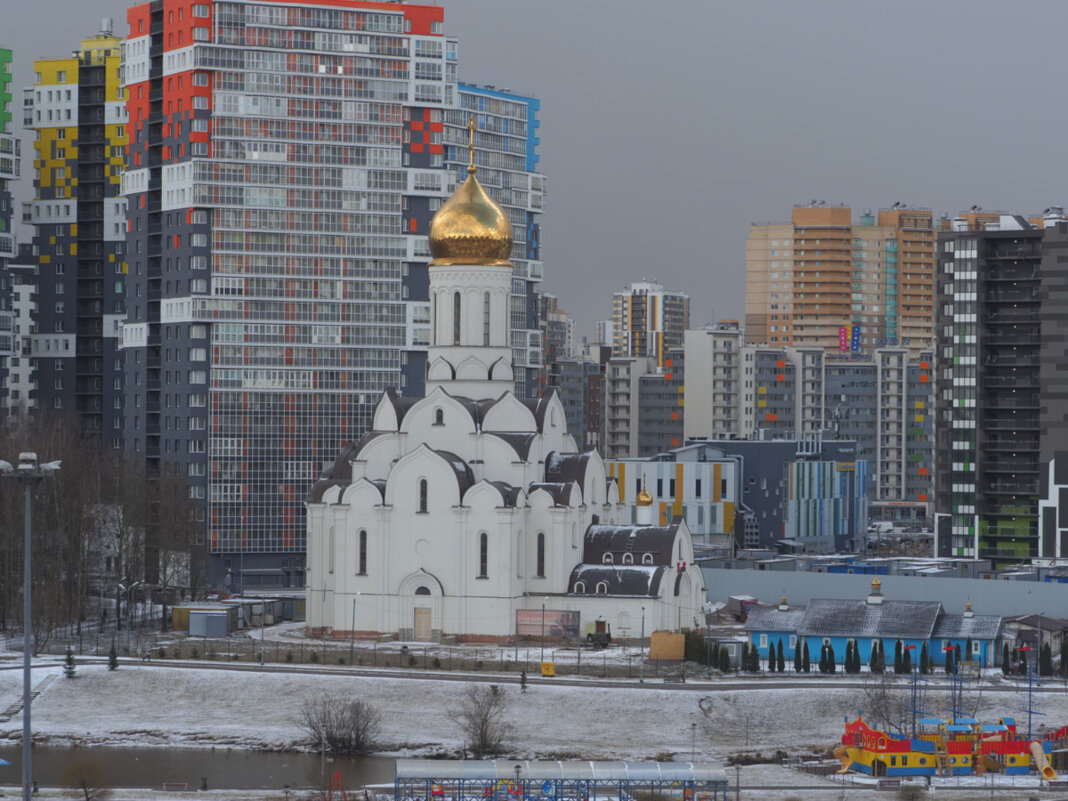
(28, 473)
(641, 661)
(543, 602)
(129, 610)
(352, 636)
(263, 625)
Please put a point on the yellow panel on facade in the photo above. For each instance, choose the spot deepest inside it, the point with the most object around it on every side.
(51, 240)
(919, 418)
(74, 248)
(74, 229)
(682, 402)
(111, 257)
(728, 517)
(717, 479)
(763, 404)
(663, 514)
(762, 390)
(125, 268)
(622, 478)
(44, 259)
(921, 404)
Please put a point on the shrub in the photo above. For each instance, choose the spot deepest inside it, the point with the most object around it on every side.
(289, 656)
(194, 654)
(313, 657)
(113, 658)
(342, 724)
(162, 653)
(436, 663)
(411, 660)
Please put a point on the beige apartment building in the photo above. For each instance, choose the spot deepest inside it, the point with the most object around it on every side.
(809, 282)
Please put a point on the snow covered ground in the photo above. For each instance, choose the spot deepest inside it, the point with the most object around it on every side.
(156, 704)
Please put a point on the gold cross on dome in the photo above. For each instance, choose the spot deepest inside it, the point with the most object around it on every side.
(471, 145)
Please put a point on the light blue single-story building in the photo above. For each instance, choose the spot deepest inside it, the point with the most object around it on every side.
(837, 622)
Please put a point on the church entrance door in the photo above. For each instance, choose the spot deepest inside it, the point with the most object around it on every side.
(422, 624)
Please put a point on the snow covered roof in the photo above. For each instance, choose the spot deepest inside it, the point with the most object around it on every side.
(538, 406)
(464, 477)
(567, 467)
(489, 770)
(977, 627)
(510, 493)
(771, 618)
(637, 540)
(835, 617)
(619, 579)
(401, 404)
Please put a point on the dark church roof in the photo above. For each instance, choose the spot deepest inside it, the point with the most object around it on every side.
(464, 477)
(508, 492)
(567, 467)
(364, 441)
(538, 406)
(976, 627)
(619, 579)
(401, 404)
(560, 492)
(339, 474)
(837, 617)
(637, 540)
(520, 442)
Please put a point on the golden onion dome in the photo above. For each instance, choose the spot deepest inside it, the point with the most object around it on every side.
(876, 585)
(645, 498)
(470, 228)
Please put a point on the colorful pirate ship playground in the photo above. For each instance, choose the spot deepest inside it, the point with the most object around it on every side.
(956, 747)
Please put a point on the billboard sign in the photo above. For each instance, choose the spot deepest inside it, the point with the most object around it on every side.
(559, 624)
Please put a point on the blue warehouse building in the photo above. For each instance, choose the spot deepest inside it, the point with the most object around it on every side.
(837, 622)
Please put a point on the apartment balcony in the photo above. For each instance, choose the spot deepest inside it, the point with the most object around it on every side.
(1021, 487)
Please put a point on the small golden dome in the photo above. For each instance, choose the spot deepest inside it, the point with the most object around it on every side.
(968, 606)
(470, 228)
(783, 601)
(876, 585)
(645, 498)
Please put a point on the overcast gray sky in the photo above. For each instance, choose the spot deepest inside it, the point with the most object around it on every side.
(669, 126)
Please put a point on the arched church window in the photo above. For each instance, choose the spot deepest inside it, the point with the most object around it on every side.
(486, 319)
(607, 558)
(363, 553)
(602, 588)
(422, 591)
(455, 318)
(541, 555)
(483, 555)
(580, 587)
(422, 495)
(647, 558)
(628, 559)
(439, 417)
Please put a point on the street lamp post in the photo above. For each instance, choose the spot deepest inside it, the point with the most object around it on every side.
(263, 626)
(28, 473)
(914, 675)
(129, 610)
(543, 602)
(352, 636)
(641, 661)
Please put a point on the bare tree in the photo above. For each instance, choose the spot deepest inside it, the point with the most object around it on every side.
(179, 538)
(888, 703)
(482, 717)
(341, 724)
(87, 777)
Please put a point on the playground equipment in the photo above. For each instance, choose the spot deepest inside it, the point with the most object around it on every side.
(957, 747)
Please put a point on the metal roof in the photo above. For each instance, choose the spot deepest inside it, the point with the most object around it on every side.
(505, 769)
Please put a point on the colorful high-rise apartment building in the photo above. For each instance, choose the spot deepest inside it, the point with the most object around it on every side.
(10, 167)
(77, 110)
(824, 280)
(648, 321)
(285, 160)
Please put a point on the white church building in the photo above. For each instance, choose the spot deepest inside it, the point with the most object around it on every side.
(470, 512)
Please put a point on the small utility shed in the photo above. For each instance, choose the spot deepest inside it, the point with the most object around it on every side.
(515, 780)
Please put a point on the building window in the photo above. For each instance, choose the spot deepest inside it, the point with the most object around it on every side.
(607, 558)
(541, 555)
(422, 495)
(363, 553)
(486, 319)
(580, 587)
(483, 555)
(456, 318)
(602, 588)
(763, 640)
(647, 558)
(439, 417)
(628, 559)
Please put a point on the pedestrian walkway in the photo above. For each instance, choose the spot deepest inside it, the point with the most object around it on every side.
(16, 707)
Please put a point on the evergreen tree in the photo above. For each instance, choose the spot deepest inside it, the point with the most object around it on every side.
(113, 658)
(1006, 662)
(968, 650)
(925, 665)
(906, 661)
(724, 660)
(878, 664)
(68, 664)
(898, 662)
(847, 664)
(797, 656)
(1045, 661)
(779, 658)
(831, 666)
(713, 659)
(806, 664)
(853, 658)
(950, 667)
(823, 658)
